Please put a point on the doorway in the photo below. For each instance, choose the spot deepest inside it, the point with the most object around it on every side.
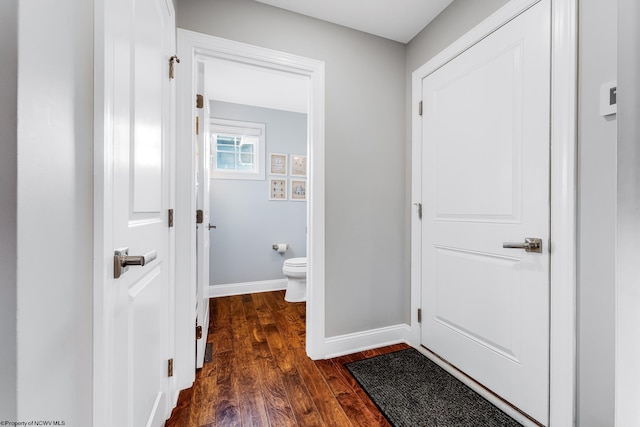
(258, 130)
(191, 48)
(485, 183)
(562, 199)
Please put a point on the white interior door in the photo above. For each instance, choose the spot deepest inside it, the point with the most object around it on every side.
(485, 182)
(139, 305)
(202, 160)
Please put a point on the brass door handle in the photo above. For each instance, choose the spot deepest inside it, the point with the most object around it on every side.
(531, 244)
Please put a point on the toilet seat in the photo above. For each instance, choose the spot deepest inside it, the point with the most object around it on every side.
(296, 262)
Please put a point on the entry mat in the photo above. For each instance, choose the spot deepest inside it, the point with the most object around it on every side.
(412, 391)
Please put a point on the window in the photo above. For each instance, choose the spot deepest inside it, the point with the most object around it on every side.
(237, 150)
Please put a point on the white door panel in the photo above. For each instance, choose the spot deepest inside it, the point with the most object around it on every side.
(140, 307)
(486, 182)
(479, 277)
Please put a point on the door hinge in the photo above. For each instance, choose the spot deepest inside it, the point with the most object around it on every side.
(170, 367)
(198, 332)
(419, 206)
(420, 108)
(199, 101)
(419, 315)
(197, 125)
(199, 216)
(172, 61)
(170, 218)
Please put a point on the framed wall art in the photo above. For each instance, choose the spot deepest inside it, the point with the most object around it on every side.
(298, 165)
(298, 190)
(277, 189)
(277, 164)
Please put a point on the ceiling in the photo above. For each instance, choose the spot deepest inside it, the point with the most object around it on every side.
(398, 20)
(230, 81)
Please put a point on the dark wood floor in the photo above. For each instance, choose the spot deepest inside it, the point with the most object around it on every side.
(260, 374)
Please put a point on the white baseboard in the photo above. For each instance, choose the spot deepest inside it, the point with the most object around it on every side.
(246, 288)
(366, 340)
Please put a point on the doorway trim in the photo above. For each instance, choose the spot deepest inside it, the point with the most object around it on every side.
(190, 46)
(563, 134)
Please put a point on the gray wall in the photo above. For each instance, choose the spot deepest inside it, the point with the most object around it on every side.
(366, 273)
(55, 198)
(597, 216)
(248, 223)
(8, 146)
(628, 216)
(456, 20)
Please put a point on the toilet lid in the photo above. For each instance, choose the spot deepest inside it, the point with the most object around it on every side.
(296, 262)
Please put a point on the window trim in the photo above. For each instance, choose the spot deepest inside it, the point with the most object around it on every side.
(238, 128)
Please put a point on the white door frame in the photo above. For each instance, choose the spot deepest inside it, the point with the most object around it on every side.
(191, 45)
(563, 191)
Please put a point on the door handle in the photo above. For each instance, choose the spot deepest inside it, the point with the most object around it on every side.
(122, 260)
(531, 244)
(211, 226)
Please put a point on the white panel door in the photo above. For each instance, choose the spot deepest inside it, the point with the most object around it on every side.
(485, 182)
(202, 160)
(140, 306)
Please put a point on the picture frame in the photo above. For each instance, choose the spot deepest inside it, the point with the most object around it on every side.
(298, 190)
(277, 189)
(278, 164)
(298, 165)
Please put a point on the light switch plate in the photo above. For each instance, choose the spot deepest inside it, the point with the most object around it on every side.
(608, 98)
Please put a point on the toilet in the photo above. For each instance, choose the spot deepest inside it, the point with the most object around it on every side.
(296, 271)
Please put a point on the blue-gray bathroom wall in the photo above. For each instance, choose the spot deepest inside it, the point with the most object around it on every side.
(248, 223)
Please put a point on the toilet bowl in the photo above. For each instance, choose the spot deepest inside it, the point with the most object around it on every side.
(296, 271)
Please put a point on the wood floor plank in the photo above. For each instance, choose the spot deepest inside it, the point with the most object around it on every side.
(277, 403)
(222, 339)
(287, 333)
(249, 307)
(213, 310)
(194, 413)
(180, 414)
(261, 376)
(207, 401)
(253, 410)
(227, 411)
(380, 420)
(281, 354)
(208, 370)
(304, 409)
(330, 410)
(241, 337)
(221, 315)
(262, 308)
(354, 408)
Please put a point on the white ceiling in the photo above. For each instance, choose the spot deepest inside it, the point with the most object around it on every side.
(398, 20)
(230, 81)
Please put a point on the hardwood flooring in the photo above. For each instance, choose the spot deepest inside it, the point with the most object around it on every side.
(260, 374)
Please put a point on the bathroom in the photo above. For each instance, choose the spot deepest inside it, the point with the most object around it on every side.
(258, 186)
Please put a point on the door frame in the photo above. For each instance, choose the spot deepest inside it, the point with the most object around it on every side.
(190, 45)
(562, 357)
